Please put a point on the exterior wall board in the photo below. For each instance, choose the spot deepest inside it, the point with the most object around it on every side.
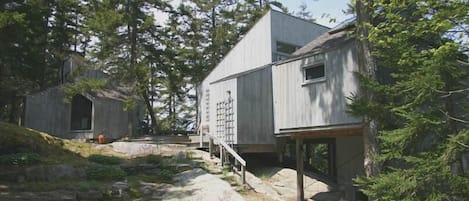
(323, 103)
(45, 111)
(255, 109)
(218, 93)
(110, 118)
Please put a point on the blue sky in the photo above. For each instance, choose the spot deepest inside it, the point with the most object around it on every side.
(319, 7)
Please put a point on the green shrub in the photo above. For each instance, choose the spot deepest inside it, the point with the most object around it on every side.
(105, 173)
(20, 159)
(151, 159)
(166, 175)
(105, 160)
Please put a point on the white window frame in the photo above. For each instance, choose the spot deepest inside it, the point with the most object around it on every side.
(314, 61)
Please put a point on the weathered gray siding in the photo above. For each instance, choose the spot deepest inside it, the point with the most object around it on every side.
(218, 93)
(300, 105)
(255, 109)
(47, 112)
(110, 118)
(254, 50)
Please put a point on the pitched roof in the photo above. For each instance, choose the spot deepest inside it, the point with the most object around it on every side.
(328, 40)
(333, 39)
(114, 92)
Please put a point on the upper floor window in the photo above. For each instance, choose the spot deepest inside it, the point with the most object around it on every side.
(286, 48)
(314, 69)
(314, 72)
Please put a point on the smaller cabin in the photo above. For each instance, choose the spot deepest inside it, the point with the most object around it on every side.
(311, 91)
(86, 115)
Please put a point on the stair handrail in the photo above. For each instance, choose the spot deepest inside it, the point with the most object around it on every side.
(237, 157)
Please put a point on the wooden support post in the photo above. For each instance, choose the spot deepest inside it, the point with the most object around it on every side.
(299, 170)
(201, 143)
(221, 156)
(210, 147)
(243, 174)
(236, 164)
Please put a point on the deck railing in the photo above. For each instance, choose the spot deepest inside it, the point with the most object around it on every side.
(225, 147)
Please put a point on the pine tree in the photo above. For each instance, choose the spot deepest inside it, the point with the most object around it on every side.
(420, 99)
(35, 37)
(128, 42)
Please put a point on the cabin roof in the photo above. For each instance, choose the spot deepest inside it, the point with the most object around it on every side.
(115, 92)
(333, 39)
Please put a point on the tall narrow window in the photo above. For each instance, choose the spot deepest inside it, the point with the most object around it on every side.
(81, 113)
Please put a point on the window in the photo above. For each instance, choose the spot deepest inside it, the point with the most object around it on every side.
(81, 113)
(313, 69)
(314, 72)
(286, 48)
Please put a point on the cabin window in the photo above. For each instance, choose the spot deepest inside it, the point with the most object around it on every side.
(286, 48)
(283, 50)
(313, 69)
(81, 113)
(314, 72)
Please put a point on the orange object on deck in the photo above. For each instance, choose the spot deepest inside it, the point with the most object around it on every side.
(101, 139)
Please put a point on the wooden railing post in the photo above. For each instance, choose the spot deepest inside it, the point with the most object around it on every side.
(221, 155)
(210, 147)
(226, 149)
(243, 174)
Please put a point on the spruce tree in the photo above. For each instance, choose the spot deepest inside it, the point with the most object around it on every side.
(420, 99)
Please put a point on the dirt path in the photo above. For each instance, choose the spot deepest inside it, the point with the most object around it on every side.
(191, 185)
(198, 185)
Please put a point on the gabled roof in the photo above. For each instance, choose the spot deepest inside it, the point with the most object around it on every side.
(120, 93)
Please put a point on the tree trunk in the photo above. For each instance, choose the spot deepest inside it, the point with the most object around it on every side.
(150, 111)
(367, 67)
(13, 116)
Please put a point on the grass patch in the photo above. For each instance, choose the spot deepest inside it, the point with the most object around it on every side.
(81, 185)
(104, 160)
(151, 159)
(19, 159)
(15, 139)
(107, 173)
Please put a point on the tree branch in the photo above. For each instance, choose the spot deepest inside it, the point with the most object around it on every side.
(462, 144)
(454, 118)
(449, 93)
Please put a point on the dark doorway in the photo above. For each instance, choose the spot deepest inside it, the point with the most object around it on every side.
(81, 113)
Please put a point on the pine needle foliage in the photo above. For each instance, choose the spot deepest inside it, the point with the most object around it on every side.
(422, 91)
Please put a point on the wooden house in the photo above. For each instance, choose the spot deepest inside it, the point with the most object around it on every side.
(87, 115)
(292, 103)
(235, 99)
(311, 91)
